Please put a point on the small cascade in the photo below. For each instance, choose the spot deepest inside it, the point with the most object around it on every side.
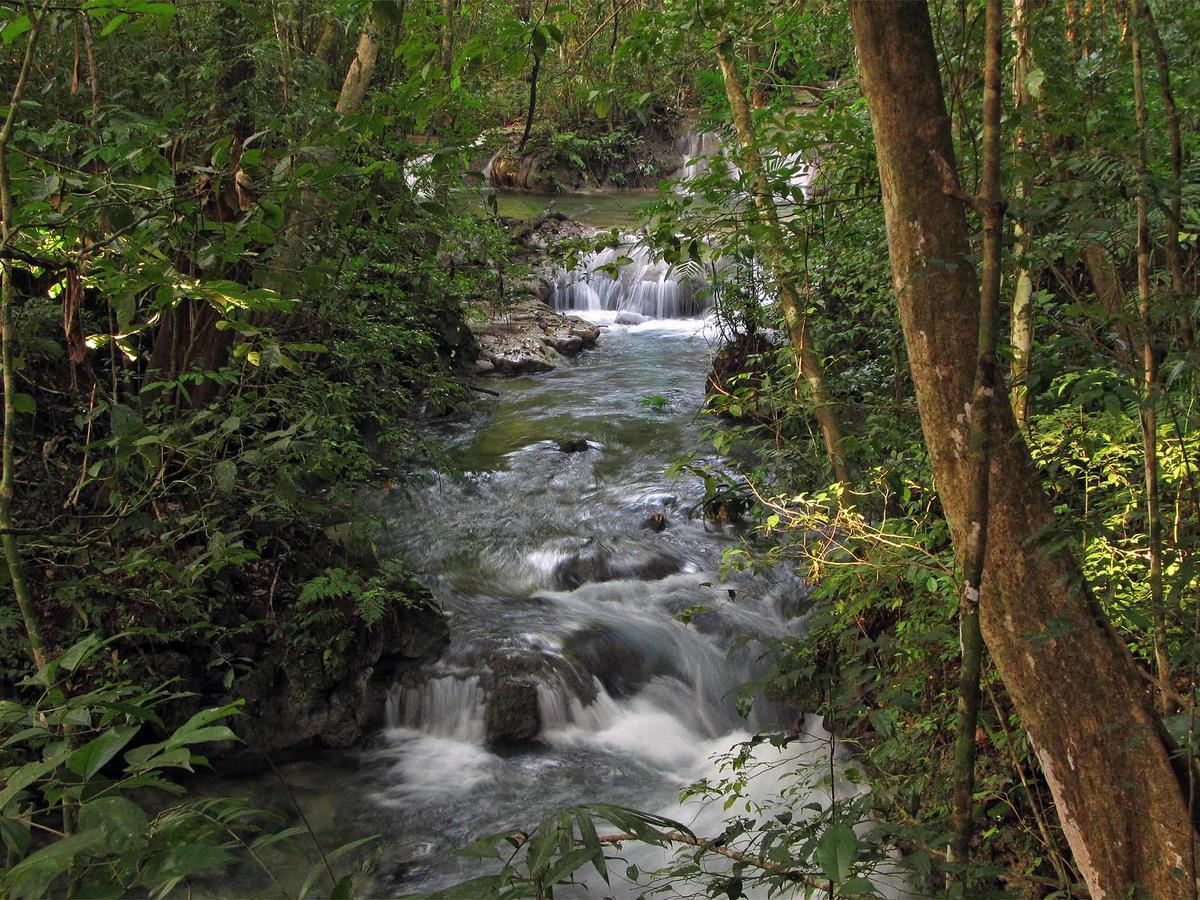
(644, 287)
(449, 706)
(490, 166)
(700, 150)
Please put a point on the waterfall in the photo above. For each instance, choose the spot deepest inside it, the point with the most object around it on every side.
(448, 706)
(699, 149)
(645, 288)
(702, 150)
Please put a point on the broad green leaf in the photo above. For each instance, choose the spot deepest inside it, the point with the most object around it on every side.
(24, 776)
(122, 821)
(92, 756)
(32, 876)
(836, 851)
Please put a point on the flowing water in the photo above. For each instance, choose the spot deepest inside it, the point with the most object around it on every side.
(564, 552)
(565, 572)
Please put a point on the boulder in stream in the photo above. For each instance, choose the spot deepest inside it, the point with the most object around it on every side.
(512, 712)
(622, 659)
(527, 337)
(597, 563)
(573, 445)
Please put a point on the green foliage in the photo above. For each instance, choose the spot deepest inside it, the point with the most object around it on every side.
(89, 762)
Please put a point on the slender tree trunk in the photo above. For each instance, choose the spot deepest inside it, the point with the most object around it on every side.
(1111, 293)
(532, 110)
(89, 45)
(447, 37)
(8, 230)
(283, 38)
(774, 252)
(1187, 332)
(1076, 689)
(1149, 413)
(309, 208)
(1022, 306)
(362, 67)
(991, 210)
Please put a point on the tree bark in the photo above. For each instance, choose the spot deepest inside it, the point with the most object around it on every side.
(1111, 293)
(991, 210)
(362, 67)
(1075, 687)
(1148, 414)
(447, 37)
(774, 252)
(290, 246)
(1022, 306)
(323, 52)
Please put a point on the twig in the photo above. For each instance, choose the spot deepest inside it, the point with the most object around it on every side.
(679, 837)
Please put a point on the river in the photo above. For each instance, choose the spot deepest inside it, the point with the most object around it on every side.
(565, 549)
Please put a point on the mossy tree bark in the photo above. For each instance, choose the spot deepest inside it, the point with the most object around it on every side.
(774, 251)
(1074, 685)
(990, 207)
(1022, 305)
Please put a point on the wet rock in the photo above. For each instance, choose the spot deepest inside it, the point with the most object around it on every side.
(541, 667)
(725, 509)
(483, 366)
(295, 706)
(573, 445)
(527, 337)
(622, 659)
(597, 564)
(512, 712)
(630, 318)
(656, 522)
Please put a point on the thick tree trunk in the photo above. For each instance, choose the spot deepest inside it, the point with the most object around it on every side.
(774, 252)
(1073, 684)
(323, 51)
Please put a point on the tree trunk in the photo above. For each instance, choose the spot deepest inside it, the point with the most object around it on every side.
(290, 245)
(1187, 332)
(8, 230)
(362, 67)
(188, 335)
(986, 386)
(1111, 294)
(774, 252)
(1022, 306)
(323, 52)
(447, 37)
(1074, 686)
(1148, 412)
